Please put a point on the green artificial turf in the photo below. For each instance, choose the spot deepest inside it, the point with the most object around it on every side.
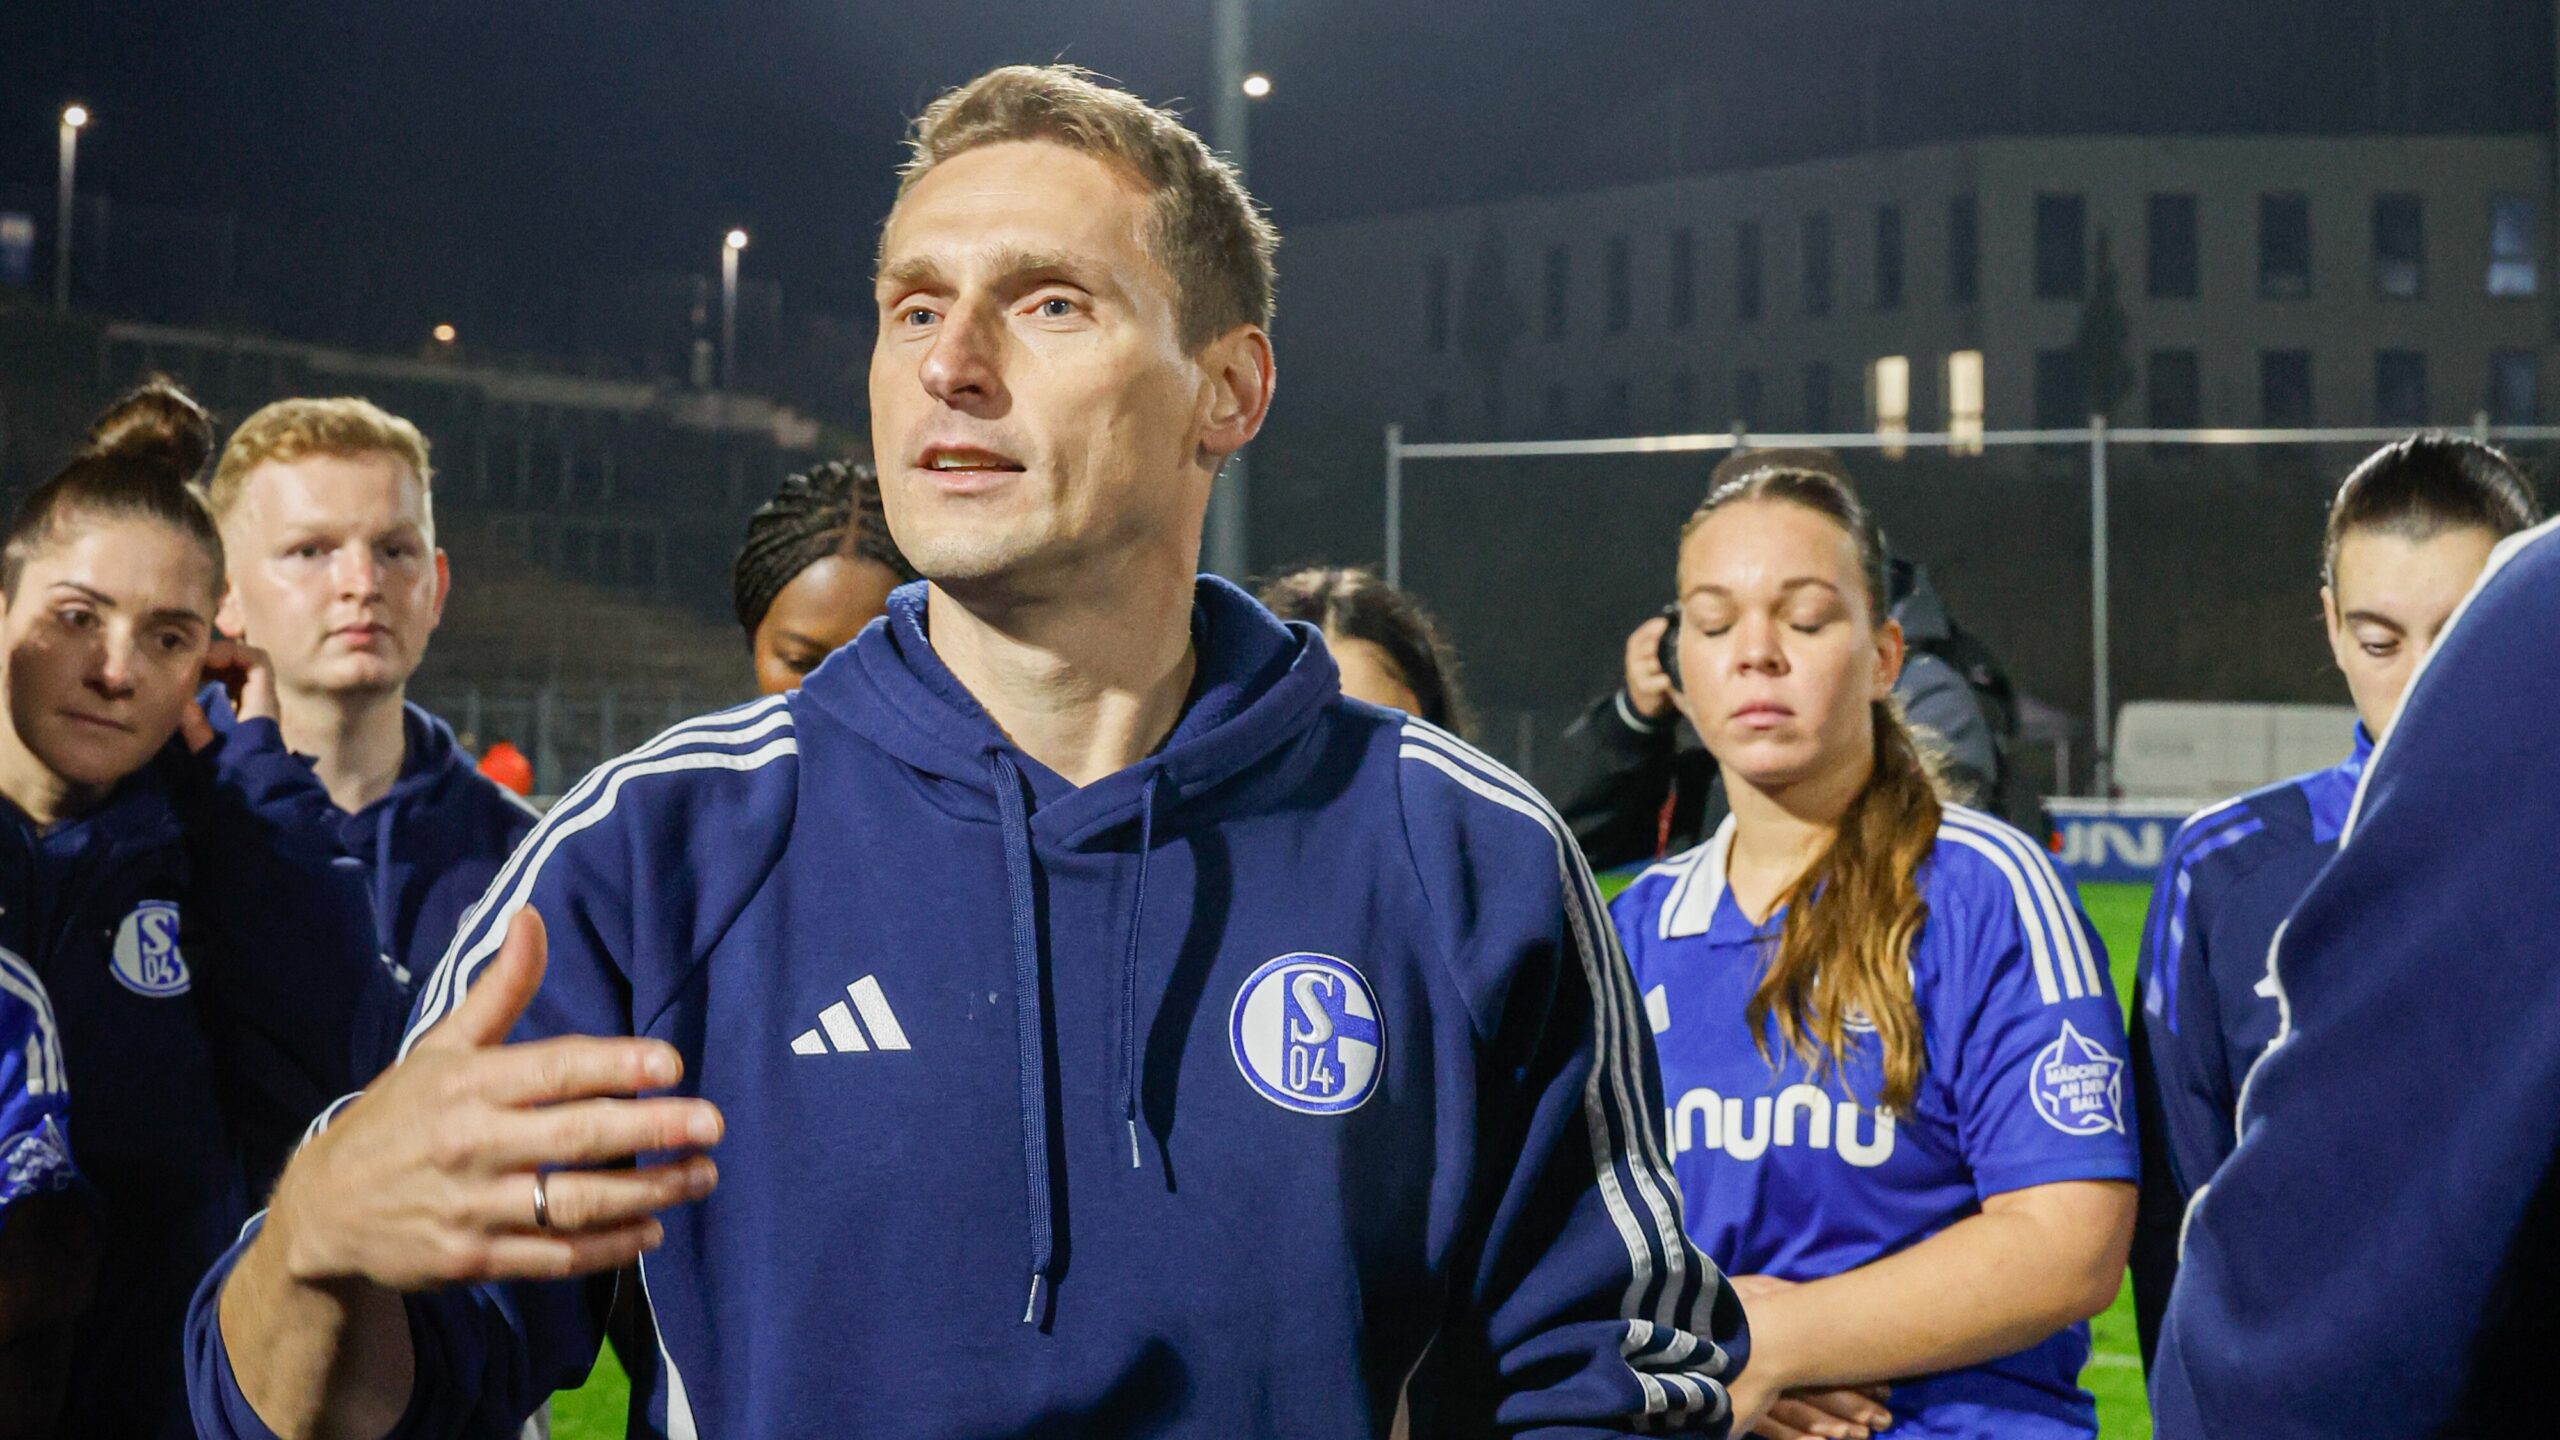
(595, 1411)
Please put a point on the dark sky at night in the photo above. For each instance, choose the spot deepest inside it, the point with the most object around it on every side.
(479, 158)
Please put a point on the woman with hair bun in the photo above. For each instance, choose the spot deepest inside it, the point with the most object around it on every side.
(817, 565)
(182, 982)
(1891, 1061)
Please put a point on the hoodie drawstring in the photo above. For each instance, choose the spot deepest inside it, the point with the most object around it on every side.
(1129, 969)
(1030, 1040)
(386, 922)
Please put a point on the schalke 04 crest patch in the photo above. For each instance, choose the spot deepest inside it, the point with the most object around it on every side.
(1306, 1034)
(146, 959)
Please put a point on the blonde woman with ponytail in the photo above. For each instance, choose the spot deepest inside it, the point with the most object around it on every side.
(1892, 1060)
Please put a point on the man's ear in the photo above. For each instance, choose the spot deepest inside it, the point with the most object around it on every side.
(444, 586)
(1241, 377)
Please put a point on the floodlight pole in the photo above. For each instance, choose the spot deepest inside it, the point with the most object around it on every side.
(1228, 553)
(1395, 506)
(2101, 731)
(73, 117)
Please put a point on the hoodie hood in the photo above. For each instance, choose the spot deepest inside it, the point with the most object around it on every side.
(1260, 684)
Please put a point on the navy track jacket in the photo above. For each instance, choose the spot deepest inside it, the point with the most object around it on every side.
(2202, 1013)
(209, 971)
(1218, 1097)
(2379, 1254)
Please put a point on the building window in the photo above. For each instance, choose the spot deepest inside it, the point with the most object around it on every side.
(1888, 257)
(1621, 300)
(1435, 306)
(1747, 277)
(2176, 385)
(2062, 247)
(1964, 402)
(2175, 270)
(2284, 246)
(2284, 388)
(1684, 279)
(1889, 401)
(1749, 403)
(2399, 246)
(2515, 388)
(1684, 399)
(2512, 268)
(1817, 398)
(1817, 264)
(1559, 410)
(2058, 402)
(1559, 282)
(2400, 387)
(1964, 250)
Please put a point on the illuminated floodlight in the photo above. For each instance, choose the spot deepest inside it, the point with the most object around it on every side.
(444, 334)
(1257, 86)
(737, 239)
(75, 116)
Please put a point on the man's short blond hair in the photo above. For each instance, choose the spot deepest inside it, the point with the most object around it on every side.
(289, 430)
(1210, 236)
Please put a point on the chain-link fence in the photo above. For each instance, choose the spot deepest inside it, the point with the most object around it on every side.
(564, 730)
(2101, 565)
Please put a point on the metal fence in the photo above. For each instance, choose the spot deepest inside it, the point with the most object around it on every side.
(565, 730)
(2102, 563)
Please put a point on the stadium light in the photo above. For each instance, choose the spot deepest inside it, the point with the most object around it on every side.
(75, 118)
(733, 245)
(444, 334)
(1257, 86)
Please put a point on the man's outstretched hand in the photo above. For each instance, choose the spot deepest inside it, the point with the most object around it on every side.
(428, 1178)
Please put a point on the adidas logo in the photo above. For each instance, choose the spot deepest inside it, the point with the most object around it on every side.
(838, 1030)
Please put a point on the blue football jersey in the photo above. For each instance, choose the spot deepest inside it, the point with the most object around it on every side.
(1795, 1173)
(35, 1094)
(2202, 1011)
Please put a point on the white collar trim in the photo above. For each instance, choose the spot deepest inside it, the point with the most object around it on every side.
(1691, 906)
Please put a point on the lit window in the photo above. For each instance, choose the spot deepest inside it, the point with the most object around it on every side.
(1889, 397)
(2511, 246)
(1964, 402)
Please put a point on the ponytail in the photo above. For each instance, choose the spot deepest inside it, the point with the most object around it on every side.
(1843, 956)
(142, 459)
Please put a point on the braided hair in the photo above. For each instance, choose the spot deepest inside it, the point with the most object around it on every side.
(827, 510)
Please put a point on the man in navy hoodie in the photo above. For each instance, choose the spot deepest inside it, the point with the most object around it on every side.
(1113, 1029)
(328, 520)
(2378, 1255)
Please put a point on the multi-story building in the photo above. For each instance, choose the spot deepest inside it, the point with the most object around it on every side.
(2264, 282)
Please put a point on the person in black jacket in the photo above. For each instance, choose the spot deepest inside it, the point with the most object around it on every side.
(1634, 790)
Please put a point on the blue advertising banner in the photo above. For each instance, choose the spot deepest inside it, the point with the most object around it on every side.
(2114, 841)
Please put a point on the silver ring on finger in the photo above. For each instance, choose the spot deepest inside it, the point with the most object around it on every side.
(541, 1201)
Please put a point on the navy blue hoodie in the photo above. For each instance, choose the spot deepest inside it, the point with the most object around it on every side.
(1200, 1100)
(430, 845)
(2380, 1253)
(208, 975)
